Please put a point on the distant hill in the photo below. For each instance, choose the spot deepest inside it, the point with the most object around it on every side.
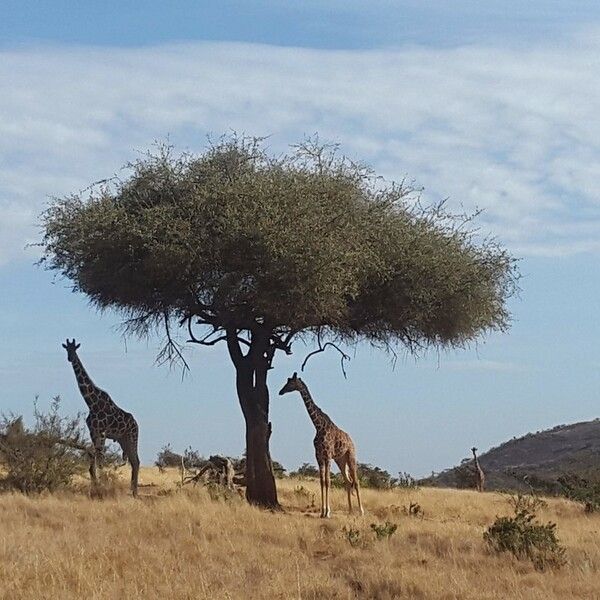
(534, 460)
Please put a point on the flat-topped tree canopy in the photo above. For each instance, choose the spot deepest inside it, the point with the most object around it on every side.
(255, 250)
(301, 242)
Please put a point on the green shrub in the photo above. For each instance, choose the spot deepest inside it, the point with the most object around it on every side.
(45, 457)
(384, 531)
(406, 481)
(525, 538)
(582, 490)
(306, 470)
(530, 503)
(374, 477)
(192, 459)
(352, 536)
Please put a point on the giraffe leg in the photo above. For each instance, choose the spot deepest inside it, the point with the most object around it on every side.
(322, 481)
(130, 451)
(134, 461)
(342, 463)
(123, 444)
(96, 459)
(354, 473)
(93, 474)
(327, 488)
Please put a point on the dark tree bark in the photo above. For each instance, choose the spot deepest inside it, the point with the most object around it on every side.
(253, 394)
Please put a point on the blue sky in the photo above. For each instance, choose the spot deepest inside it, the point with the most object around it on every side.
(493, 105)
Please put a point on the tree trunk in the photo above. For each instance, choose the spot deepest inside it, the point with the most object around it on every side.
(253, 395)
(260, 479)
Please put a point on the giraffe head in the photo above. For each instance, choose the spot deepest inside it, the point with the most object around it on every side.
(71, 348)
(293, 384)
(473, 450)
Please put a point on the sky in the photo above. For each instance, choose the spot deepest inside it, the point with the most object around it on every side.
(490, 105)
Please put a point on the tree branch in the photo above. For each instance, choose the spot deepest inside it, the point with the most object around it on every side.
(322, 348)
(233, 345)
(171, 351)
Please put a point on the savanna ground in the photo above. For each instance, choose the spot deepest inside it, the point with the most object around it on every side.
(188, 544)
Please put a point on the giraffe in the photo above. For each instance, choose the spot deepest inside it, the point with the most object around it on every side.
(330, 443)
(105, 420)
(479, 474)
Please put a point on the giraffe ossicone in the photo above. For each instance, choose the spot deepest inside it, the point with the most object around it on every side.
(105, 420)
(331, 443)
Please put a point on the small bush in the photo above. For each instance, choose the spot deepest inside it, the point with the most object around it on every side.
(305, 495)
(384, 531)
(406, 481)
(192, 459)
(525, 538)
(414, 510)
(221, 493)
(352, 536)
(45, 457)
(582, 490)
(305, 470)
(530, 503)
(374, 477)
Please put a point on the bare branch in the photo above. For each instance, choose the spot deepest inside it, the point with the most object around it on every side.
(171, 352)
(322, 348)
(205, 342)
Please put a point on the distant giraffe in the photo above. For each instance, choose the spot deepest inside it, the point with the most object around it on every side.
(479, 474)
(105, 420)
(330, 443)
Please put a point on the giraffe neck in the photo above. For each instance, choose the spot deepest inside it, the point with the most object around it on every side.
(476, 460)
(86, 386)
(317, 416)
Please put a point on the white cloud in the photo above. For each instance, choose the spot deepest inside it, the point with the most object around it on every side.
(511, 130)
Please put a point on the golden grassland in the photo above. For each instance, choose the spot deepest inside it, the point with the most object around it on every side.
(184, 544)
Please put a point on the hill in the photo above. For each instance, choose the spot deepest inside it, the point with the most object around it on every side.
(534, 460)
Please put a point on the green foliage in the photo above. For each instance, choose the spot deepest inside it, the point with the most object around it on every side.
(529, 503)
(465, 475)
(167, 457)
(525, 538)
(306, 242)
(384, 531)
(406, 481)
(369, 476)
(374, 477)
(352, 536)
(45, 457)
(278, 469)
(306, 470)
(583, 490)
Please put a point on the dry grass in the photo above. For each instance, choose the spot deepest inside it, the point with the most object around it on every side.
(172, 544)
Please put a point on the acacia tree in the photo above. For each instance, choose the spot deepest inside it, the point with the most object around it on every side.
(255, 251)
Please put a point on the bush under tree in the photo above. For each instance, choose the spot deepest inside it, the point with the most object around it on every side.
(44, 457)
(256, 251)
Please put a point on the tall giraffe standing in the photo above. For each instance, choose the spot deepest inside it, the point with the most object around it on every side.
(330, 443)
(105, 420)
(479, 474)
